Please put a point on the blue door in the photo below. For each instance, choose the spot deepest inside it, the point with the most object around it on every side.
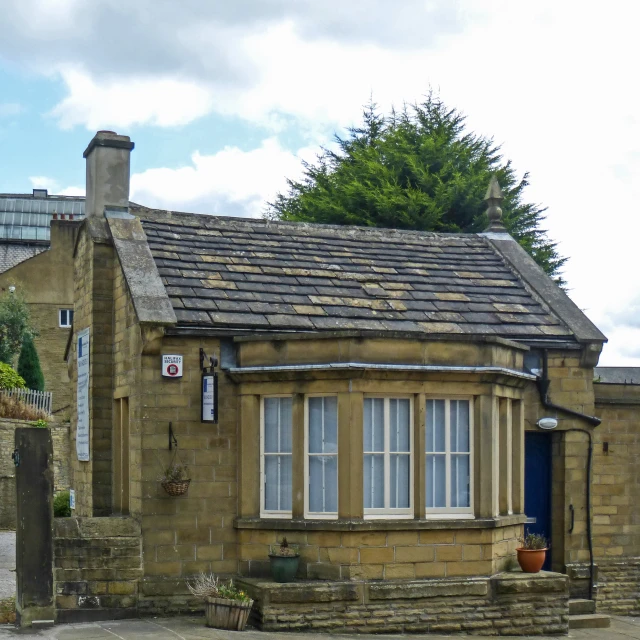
(537, 486)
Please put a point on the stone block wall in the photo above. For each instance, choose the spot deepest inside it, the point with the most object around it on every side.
(61, 466)
(619, 587)
(97, 568)
(506, 604)
(384, 553)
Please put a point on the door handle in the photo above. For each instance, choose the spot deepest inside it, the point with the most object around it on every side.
(15, 456)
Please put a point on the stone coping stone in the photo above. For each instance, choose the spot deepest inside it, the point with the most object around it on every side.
(376, 525)
(300, 592)
(402, 590)
(517, 582)
(109, 527)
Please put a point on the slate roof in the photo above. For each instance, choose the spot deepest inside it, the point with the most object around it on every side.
(618, 375)
(15, 253)
(254, 275)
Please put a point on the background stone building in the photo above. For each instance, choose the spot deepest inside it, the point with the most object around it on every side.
(378, 401)
(37, 236)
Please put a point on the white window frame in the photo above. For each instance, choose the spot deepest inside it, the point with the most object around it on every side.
(388, 513)
(69, 318)
(453, 513)
(264, 513)
(315, 515)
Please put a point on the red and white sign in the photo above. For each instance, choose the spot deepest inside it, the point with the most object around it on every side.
(172, 366)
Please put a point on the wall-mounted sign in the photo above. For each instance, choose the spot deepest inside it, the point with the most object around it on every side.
(82, 431)
(172, 366)
(72, 499)
(210, 397)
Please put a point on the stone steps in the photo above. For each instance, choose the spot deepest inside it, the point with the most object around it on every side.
(581, 607)
(589, 621)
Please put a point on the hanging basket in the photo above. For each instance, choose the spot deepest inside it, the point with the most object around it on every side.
(176, 488)
(231, 615)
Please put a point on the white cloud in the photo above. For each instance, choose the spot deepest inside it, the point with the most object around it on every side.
(53, 186)
(229, 182)
(164, 102)
(10, 109)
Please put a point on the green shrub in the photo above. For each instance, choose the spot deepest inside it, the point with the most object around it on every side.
(29, 365)
(9, 378)
(62, 505)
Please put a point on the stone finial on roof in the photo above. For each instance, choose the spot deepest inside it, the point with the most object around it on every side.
(493, 198)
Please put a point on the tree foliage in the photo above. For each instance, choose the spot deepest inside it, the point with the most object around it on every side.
(9, 377)
(14, 325)
(29, 364)
(418, 169)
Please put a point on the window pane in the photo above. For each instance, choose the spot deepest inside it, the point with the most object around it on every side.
(374, 482)
(277, 489)
(323, 484)
(459, 420)
(330, 444)
(436, 482)
(435, 425)
(399, 425)
(271, 424)
(460, 481)
(285, 425)
(399, 486)
(323, 425)
(315, 425)
(374, 424)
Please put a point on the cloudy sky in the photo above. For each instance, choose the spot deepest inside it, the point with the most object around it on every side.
(224, 98)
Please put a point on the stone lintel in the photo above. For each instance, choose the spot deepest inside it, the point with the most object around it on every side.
(111, 527)
(300, 592)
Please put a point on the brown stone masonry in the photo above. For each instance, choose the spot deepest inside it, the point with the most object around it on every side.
(506, 604)
(97, 568)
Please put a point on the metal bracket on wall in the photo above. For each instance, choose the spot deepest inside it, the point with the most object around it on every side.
(15, 456)
(172, 439)
(213, 361)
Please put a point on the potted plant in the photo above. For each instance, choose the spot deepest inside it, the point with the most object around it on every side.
(175, 479)
(226, 607)
(284, 560)
(532, 552)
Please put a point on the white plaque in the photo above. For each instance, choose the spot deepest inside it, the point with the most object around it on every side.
(172, 366)
(72, 499)
(82, 431)
(208, 398)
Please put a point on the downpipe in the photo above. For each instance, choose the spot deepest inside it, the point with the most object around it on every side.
(543, 384)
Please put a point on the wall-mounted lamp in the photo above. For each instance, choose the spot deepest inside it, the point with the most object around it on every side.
(547, 423)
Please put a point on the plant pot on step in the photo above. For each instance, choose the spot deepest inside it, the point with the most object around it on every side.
(222, 613)
(284, 559)
(531, 560)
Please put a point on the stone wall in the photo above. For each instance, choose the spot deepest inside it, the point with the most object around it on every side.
(61, 466)
(97, 568)
(506, 604)
(619, 587)
(382, 553)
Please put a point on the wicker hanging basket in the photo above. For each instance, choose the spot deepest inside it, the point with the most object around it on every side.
(227, 614)
(176, 488)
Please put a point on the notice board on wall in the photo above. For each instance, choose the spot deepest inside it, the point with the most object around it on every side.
(82, 431)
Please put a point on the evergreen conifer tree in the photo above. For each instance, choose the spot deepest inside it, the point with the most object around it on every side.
(29, 365)
(419, 169)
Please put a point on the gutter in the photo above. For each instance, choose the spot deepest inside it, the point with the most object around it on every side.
(362, 366)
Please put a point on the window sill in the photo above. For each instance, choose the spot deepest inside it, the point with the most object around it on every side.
(376, 525)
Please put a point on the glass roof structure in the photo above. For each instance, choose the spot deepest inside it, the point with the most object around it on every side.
(28, 217)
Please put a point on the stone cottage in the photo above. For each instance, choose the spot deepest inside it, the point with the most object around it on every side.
(378, 401)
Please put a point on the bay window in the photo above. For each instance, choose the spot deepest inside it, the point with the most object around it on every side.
(448, 462)
(275, 461)
(321, 460)
(387, 462)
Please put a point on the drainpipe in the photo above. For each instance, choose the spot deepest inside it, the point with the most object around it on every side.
(543, 383)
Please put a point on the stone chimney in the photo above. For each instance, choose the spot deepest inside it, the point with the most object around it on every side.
(108, 168)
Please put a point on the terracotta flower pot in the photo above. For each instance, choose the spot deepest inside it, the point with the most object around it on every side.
(531, 560)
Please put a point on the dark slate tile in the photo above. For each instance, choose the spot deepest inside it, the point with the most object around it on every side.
(189, 316)
(289, 321)
(233, 305)
(249, 320)
(271, 307)
(199, 303)
(182, 292)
